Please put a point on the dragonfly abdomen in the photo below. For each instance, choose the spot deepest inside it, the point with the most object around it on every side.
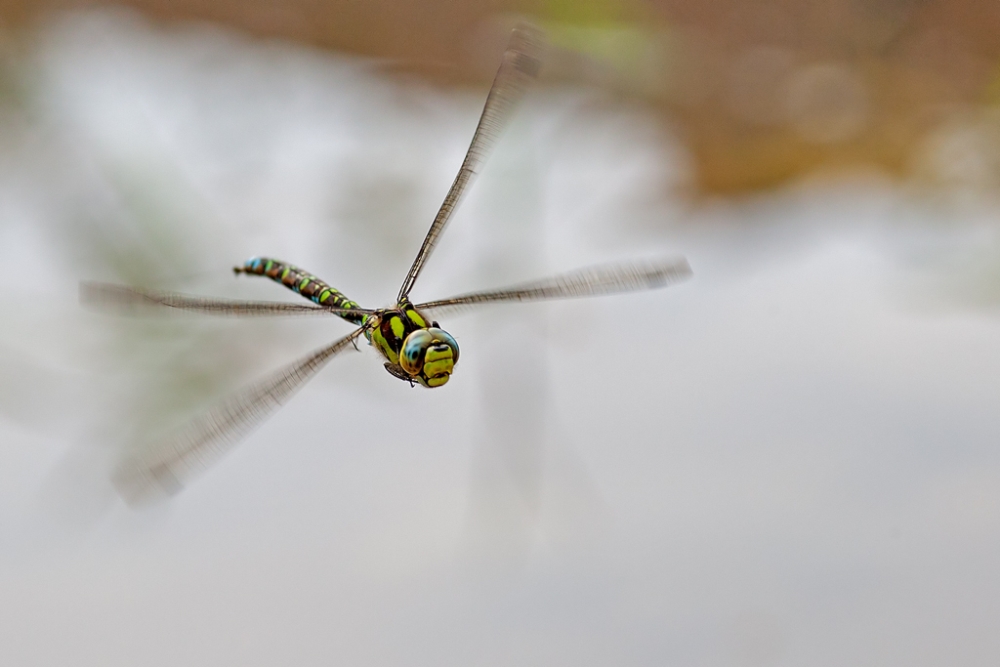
(301, 282)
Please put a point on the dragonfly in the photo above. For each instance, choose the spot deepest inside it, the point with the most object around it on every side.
(412, 344)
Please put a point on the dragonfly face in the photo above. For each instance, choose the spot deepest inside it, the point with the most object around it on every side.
(415, 349)
(429, 355)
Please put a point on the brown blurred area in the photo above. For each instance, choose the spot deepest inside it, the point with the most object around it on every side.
(761, 91)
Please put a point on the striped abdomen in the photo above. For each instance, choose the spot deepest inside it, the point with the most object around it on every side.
(302, 283)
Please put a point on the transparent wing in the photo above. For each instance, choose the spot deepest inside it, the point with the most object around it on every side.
(167, 467)
(521, 62)
(605, 279)
(118, 298)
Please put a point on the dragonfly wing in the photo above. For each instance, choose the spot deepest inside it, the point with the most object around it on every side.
(521, 62)
(592, 281)
(119, 298)
(167, 467)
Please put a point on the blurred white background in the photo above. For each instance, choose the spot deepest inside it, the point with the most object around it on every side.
(789, 460)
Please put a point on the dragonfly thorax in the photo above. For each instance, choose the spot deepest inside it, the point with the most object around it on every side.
(415, 349)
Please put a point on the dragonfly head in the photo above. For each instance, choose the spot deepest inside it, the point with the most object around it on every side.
(429, 355)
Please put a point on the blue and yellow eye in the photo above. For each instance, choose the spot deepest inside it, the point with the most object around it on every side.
(411, 357)
(446, 338)
(429, 355)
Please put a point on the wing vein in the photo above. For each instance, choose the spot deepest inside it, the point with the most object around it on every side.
(591, 281)
(520, 65)
(128, 300)
(170, 464)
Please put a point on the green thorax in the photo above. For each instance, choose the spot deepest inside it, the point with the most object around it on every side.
(391, 328)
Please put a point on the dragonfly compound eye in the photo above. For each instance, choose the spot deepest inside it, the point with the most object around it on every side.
(411, 357)
(446, 338)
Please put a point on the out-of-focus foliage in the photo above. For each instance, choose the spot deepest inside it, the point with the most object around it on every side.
(763, 91)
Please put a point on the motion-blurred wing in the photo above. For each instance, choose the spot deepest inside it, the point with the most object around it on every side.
(118, 298)
(606, 279)
(521, 62)
(169, 466)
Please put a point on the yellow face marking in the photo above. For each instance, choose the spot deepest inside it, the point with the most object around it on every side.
(436, 381)
(433, 369)
(435, 355)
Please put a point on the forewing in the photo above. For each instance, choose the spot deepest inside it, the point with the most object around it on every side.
(592, 281)
(122, 299)
(167, 467)
(521, 62)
